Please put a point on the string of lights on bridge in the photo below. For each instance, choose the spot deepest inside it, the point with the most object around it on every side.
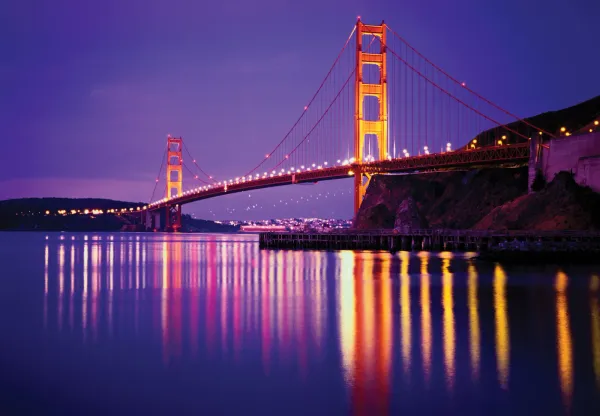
(283, 172)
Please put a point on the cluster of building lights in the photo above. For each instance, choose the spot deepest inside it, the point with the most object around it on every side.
(94, 211)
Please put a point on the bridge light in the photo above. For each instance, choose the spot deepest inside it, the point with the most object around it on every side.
(475, 141)
(287, 156)
(567, 134)
(305, 107)
(596, 122)
(464, 84)
(500, 142)
(156, 180)
(313, 165)
(339, 161)
(196, 176)
(325, 163)
(350, 173)
(292, 169)
(302, 167)
(267, 155)
(194, 161)
(352, 160)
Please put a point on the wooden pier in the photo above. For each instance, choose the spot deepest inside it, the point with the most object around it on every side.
(437, 240)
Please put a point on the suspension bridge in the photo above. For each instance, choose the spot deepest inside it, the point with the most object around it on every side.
(382, 107)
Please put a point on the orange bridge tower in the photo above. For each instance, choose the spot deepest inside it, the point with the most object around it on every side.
(362, 127)
(174, 181)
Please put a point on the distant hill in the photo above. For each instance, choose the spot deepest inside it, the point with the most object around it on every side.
(31, 214)
(576, 119)
(41, 205)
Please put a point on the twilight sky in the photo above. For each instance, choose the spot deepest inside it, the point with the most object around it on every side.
(89, 89)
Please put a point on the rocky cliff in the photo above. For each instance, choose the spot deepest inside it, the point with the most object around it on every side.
(457, 199)
(486, 199)
(560, 205)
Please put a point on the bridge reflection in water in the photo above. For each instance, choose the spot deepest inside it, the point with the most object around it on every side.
(396, 328)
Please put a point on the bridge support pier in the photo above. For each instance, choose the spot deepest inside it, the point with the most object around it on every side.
(173, 222)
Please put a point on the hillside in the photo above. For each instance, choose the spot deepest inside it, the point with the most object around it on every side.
(30, 214)
(561, 205)
(576, 119)
(457, 199)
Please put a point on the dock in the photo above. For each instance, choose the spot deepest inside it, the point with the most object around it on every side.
(436, 240)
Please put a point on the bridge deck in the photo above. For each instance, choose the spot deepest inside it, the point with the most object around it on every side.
(486, 156)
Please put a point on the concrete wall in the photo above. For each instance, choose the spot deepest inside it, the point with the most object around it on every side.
(577, 154)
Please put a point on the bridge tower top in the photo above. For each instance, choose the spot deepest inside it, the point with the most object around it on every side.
(174, 166)
(376, 127)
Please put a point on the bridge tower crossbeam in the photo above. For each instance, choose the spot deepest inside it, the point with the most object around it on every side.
(362, 90)
(174, 181)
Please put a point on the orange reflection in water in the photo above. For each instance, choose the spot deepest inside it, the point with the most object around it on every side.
(46, 260)
(502, 328)
(299, 309)
(365, 336)
(474, 331)
(384, 338)
(84, 296)
(405, 324)
(267, 273)
(61, 282)
(164, 300)
(211, 294)
(237, 299)
(564, 342)
(595, 321)
(448, 318)
(425, 316)
(72, 287)
(347, 314)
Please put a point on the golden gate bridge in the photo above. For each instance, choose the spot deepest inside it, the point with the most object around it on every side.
(383, 107)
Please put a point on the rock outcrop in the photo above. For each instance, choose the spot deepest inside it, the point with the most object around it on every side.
(561, 205)
(457, 199)
(408, 216)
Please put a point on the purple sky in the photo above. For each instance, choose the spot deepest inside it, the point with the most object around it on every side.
(89, 89)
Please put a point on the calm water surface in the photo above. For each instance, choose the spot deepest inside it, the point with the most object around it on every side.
(121, 323)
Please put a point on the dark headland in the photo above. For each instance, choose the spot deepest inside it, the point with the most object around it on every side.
(85, 214)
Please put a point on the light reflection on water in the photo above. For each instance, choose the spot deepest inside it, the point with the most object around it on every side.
(406, 331)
